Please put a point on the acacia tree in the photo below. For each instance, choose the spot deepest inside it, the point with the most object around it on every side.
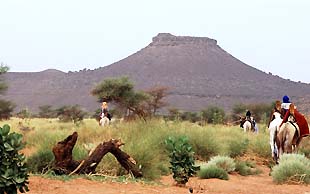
(121, 91)
(6, 107)
(156, 101)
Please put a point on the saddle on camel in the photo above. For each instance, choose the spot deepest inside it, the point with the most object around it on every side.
(298, 118)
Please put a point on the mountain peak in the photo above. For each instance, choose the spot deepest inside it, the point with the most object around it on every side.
(166, 39)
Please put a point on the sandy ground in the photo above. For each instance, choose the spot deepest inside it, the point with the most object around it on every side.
(235, 185)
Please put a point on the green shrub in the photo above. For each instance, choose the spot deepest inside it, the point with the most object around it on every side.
(214, 115)
(13, 170)
(292, 168)
(245, 168)
(237, 147)
(190, 116)
(6, 109)
(181, 159)
(238, 110)
(40, 162)
(70, 113)
(46, 111)
(295, 157)
(224, 162)
(205, 146)
(212, 171)
(152, 167)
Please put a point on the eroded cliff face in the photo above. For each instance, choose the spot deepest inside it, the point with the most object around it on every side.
(197, 71)
(167, 39)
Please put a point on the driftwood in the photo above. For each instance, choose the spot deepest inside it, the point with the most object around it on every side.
(64, 163)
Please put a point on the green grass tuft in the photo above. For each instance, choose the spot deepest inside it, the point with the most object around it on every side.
(212, 171)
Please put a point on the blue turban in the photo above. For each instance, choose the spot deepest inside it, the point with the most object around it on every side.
(286, 99)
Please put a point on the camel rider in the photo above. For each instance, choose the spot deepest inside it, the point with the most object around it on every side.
(277, 108)
(293, 115)
(248, 117)
(285, 105)
(105, 111)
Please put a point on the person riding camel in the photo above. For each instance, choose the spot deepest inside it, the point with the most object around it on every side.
(105, 111)
(248, 115)
(249, 118)
(285, 105)
(293, 115)
(277, 108)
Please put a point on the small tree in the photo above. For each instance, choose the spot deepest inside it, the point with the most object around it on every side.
(261, 111)
(181, 159)
(46, 111)
(70, 113)
(155, 101)
(174, 114)
(6, 107)
(238, 112)
(213, 115)
(13, 170)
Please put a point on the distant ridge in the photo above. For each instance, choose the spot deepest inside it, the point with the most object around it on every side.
(51, 71)
(197, 70)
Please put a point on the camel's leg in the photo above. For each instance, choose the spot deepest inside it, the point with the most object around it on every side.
(271, 141)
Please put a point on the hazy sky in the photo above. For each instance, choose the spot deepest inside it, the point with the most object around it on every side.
(270, 35)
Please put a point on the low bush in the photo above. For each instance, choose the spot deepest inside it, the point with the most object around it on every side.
(292, 168)
(224, 162)
(245, 168)
(212, 171)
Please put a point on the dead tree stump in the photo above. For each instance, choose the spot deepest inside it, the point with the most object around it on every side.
(64, 163)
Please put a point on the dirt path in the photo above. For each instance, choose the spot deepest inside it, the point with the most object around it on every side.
(235, 185)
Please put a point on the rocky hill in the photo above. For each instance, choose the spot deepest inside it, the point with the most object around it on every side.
(197, 70)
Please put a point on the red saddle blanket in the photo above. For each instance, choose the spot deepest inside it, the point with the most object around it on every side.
(301, 122)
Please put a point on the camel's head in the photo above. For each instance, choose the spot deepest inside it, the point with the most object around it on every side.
(292, 108)
(278, 105)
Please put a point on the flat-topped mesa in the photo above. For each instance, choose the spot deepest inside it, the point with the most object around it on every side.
(167, 39)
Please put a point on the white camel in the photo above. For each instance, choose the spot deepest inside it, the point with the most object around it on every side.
(248, 126)
(273, 131)
(104, 120)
